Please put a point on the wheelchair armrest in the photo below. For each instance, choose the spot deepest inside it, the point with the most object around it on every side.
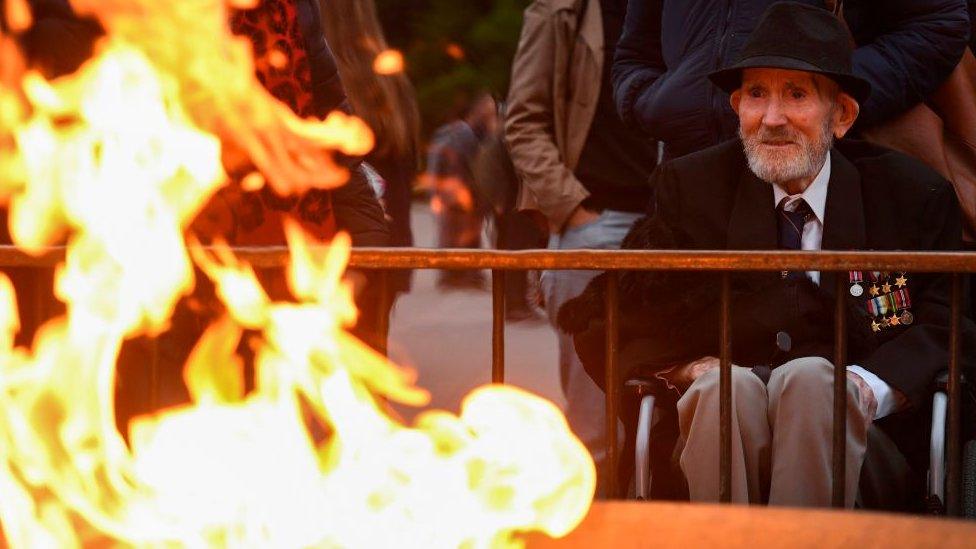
(641, 385)
(942, 381)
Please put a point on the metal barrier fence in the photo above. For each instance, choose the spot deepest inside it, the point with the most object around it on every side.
(724, 262)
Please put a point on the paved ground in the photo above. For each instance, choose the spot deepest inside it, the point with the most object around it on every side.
(446, 337)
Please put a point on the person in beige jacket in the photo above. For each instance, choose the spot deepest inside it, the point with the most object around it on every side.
(581, 170)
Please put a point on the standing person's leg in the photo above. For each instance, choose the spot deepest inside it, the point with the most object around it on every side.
(698, 444)
(801, 397)
(458, 228)
(585, 402)
(517, 232)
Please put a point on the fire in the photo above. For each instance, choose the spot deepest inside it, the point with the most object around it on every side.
(454, 51)
(388, 62)
(117, 160)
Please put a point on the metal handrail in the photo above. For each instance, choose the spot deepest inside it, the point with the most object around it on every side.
(723, 261)
(679, 260)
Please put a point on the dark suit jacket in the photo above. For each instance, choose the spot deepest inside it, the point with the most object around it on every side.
(877, 200)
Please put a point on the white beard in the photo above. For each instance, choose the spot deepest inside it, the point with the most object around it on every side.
(780, 167)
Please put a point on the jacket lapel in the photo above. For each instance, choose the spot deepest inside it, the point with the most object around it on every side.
(844, 227)
(752, 225)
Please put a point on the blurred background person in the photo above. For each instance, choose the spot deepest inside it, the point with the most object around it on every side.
(457, 201)
(387, 103)
(294, 63)
(495, 177)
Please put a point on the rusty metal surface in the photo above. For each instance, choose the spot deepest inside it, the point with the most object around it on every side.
(501, 261)
(383, 312)
(498, 326)
(839, 447)
(628, 525)
(612, 393)
(422, 258)
(953, 437)
(725, 393)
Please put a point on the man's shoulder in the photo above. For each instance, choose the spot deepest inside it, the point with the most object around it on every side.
(898, 173)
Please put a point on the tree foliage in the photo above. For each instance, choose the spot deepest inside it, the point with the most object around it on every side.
(454, 49)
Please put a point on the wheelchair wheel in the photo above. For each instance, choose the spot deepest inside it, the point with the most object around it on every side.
(969, 480)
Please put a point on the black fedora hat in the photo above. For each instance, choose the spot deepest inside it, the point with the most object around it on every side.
(796, 36)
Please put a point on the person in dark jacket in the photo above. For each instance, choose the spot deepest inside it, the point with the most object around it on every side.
(906, 48)
(456, 199)
(785, 183)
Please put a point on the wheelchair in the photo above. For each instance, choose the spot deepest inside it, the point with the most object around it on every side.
(650, 413)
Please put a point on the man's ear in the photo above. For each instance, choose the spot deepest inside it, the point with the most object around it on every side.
(734, 100)
(845, 113)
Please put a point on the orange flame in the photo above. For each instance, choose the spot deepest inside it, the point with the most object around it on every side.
(388, 62)
(18, 15)
(454, 51)
(118, 159)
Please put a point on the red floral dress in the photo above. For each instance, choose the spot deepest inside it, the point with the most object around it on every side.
(281, 64)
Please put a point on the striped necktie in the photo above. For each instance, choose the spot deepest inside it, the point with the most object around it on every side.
(791, 217)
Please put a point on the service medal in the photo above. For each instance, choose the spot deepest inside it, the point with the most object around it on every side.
(856, 278)
(907, 317)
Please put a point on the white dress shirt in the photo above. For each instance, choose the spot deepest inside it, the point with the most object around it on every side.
(816, 197)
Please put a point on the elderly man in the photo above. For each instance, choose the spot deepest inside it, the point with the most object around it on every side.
(787, 184)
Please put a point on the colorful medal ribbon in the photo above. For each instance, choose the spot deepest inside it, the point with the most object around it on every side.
(902, 299)
(881, 305)
(856, 277)
(877, 276)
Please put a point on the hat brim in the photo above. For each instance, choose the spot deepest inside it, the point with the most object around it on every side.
(729, 79)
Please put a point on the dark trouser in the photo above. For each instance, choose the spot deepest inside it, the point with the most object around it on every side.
(516, 231)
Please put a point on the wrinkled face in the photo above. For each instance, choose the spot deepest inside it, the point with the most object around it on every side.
(787, 122)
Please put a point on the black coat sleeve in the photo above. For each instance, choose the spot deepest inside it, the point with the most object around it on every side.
(911, 360)
(358, 212)
(915, 45)
(638, 61)
(326, 83)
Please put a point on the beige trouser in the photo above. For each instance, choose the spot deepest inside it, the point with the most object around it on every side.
(781, 436)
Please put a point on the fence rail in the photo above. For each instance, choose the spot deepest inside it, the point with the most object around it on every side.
(674, 260)
(726, 262)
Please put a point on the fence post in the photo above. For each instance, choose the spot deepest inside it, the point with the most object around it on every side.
(383, 311)
(498, 326)
(612, 384)
(725, 393)
(953, 447)
(839, 450)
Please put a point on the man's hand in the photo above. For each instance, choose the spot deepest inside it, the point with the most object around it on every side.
(867, 401)
(580, 216)
(683, 376)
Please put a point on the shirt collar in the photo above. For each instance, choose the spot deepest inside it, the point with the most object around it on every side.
(815, 195)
